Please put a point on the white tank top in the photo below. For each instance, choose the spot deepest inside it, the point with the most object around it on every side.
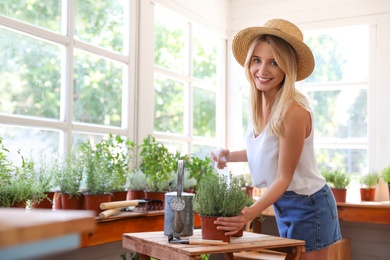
(262, 153)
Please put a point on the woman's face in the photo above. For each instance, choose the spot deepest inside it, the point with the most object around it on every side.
(264, 70)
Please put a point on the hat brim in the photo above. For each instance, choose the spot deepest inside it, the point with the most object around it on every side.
(244, 38)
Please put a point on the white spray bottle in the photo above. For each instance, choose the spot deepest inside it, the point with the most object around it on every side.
(224, 171)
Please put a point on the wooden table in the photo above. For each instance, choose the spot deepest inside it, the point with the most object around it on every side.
(155, 244)
(33, 233)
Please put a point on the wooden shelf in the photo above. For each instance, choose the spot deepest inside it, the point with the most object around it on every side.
(112, 229)
(365, 211)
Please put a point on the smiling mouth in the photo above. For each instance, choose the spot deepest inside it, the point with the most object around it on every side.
(263, 80)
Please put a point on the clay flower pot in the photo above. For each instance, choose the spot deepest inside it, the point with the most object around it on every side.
(340, 194)
(92, 202)
(71, 202)
(210, 231)
(367, 194)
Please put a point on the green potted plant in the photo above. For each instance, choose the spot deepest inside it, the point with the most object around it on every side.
(16, 188)
(137, 184)
(44, 182)
(338, 181)
(218, 195)
(69, 181)
(96, 168)
(158, 165)
(198, 169)
(368, 183)
(118, 155)
(246, 183)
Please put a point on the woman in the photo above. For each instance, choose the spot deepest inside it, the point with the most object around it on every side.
(279, 142)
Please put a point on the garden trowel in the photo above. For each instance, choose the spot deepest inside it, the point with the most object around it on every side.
(177, 240)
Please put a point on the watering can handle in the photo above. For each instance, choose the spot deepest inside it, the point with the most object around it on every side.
(180, 174)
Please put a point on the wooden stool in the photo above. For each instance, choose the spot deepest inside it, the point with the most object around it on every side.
(340, 250)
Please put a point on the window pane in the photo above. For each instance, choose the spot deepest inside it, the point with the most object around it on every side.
(341, 54)
(100, 23)
(30, 76)
(168, 105)
(202, 151)
(340, 113)
(204, 112)
(169, 46)
(32, 142)
(97, 90)
(205, 54)
(348, 160)
(79, 138)
(46, 14)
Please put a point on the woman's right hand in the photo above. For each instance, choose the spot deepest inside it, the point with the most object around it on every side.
(221, 156)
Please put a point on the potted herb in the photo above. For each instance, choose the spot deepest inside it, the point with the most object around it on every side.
(137, 185)
(118, 155)
(15, 185)
(69, 181)
(198, 169)
(218, 195)
(98, 179)
(158, 165)
(246, 183)
(368, 182)
(44, 182)
(338, 181)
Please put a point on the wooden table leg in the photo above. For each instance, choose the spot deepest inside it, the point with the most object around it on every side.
(143, 257)
(228, 256)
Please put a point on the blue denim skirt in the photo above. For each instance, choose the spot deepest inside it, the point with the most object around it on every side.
(312, 218)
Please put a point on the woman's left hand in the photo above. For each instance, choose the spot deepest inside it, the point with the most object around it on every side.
(233, 224)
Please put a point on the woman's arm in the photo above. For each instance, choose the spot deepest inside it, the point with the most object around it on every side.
(297, 125)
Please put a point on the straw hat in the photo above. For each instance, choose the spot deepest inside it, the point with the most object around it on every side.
(284, 30)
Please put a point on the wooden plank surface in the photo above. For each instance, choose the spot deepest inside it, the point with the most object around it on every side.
(155, 244)
(18, 226)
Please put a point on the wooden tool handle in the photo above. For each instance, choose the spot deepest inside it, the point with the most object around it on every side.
(207, 242)
(108, 212)
(118, 204)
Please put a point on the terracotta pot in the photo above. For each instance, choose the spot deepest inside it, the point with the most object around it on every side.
(156, 195)
(46, 203)
(74, 202)
(135, 194)
(367, 194)
(57, 202)
(249, 191)
(21, 204)
(119, 195)
(239, 233)
(210, 231)
(340, 194)
(92, 202)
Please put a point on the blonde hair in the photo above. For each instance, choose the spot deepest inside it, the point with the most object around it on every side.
(286, 59)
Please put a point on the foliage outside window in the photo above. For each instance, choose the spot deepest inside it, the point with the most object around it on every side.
(187, 83)
(63, 71)
(338, 90)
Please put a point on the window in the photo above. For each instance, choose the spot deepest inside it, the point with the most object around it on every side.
(188, 85)
(338, 90)
(64, 74)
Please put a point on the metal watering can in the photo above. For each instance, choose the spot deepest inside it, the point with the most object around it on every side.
(178, 212)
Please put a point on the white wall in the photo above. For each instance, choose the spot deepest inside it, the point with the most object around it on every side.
(315, 14)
